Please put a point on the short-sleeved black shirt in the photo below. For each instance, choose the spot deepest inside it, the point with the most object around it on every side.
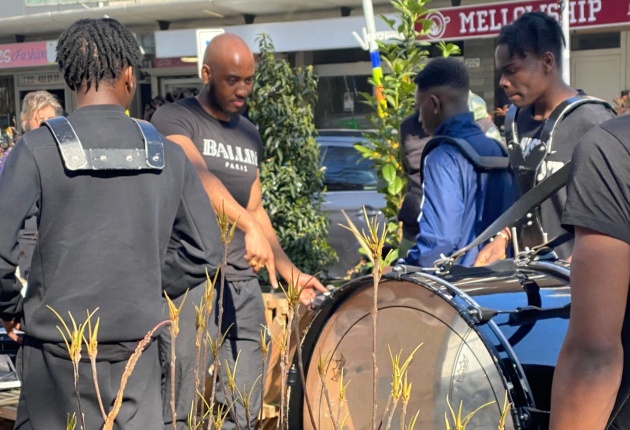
(232, 152)
(598, 198)
(598, 192)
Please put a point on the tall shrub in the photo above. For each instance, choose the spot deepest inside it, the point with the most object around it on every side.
(292, 182)
(401, 60)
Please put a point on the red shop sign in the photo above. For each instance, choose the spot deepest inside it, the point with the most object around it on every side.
(487, 20)
(23, 55)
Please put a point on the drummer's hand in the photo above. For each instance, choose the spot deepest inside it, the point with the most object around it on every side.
(493, 251)
(10, 327)
(309, 285)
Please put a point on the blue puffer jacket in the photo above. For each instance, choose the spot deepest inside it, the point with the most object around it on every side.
(459, 201)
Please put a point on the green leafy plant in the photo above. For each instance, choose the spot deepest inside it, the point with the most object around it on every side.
(292, 181)
(401, 60)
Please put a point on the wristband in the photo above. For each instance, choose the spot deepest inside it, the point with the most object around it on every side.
(504, 236)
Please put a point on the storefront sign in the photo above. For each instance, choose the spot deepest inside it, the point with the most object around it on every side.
(23, 55)
(38, 79)
(487, 20)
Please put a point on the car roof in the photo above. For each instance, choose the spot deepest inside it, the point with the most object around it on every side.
(341, 137)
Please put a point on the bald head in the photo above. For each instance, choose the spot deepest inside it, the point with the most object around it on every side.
(228, 74)
(225, 49)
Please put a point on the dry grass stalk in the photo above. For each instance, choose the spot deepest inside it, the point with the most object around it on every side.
(322, 366)
(412, 422)
(92, 349)
(400, 384)
(74, 340)
(504, 411)
(202, 316)
(373, 243)
(227, 233)
(406, 395)
(218, 419)
(460, 423)
(282, 344)
(292, 295)
(247, 400)
(71, 421)
(173, 315)
(131, 364)
(264, 349)
(342, 399)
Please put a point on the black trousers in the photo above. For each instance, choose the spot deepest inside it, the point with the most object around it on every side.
(244, 314)
(48, 397)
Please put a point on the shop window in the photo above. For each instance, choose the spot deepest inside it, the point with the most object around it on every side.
(584, 42)
(340, 103)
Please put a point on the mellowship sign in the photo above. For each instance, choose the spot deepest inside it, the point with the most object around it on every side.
(486, 20)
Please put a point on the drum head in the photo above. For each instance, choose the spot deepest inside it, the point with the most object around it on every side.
(453, 361)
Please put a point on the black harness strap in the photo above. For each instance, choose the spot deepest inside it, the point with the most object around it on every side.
(480, 162)
(75, 157)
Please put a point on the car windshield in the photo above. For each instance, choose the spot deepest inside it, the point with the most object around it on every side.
(345, 169)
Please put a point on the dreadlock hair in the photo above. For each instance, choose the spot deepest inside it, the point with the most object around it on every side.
(533, 32)
(444, 72)
(94, 50)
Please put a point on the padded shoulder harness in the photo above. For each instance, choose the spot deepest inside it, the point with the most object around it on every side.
(480, 162)
(75, 157)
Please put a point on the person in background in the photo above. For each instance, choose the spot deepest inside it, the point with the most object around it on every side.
(460, 200)
(227, 149)
(116, 231)
(528, 56)
(413, 138)
(591, 382)
(37, 107)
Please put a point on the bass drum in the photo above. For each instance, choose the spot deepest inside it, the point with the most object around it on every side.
(484, 332)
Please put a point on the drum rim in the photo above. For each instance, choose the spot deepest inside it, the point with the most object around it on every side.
(513, 369)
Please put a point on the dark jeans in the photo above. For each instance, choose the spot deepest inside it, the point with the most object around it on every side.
(244, 314)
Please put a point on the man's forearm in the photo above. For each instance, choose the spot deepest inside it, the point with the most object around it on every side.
(584, 389)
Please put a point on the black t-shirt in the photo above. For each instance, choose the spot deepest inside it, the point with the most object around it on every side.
(598, 198)
(232, 151)
(598, 191)
(564, 140)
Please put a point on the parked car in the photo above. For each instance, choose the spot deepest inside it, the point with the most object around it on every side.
(351, 182)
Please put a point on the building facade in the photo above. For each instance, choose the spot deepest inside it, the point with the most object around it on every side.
(322, 33)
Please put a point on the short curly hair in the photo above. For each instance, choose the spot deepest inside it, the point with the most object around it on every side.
(95, 50)
(34, 102)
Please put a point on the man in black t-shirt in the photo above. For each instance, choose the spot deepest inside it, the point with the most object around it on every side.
(226, 149)
(528, 57)
(591, 383)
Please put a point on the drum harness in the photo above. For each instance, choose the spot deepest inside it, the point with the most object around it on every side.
(75, 157)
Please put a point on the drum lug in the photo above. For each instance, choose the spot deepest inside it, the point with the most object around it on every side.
(480, 315)
(533, 418)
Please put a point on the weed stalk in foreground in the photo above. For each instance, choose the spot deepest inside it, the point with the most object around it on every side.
(373, 243)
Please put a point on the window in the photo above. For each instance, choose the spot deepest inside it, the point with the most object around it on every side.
(346, 170)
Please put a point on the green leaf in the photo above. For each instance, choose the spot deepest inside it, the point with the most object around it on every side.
(389, 173)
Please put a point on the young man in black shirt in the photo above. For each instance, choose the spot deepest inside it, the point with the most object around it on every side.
(528, 57)
(591, 384)
(122, 218)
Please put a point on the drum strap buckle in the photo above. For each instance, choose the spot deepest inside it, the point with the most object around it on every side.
(443, 265)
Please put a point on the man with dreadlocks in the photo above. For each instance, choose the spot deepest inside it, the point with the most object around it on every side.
(122, 218)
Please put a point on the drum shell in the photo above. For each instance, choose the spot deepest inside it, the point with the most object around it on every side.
(463, 358)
